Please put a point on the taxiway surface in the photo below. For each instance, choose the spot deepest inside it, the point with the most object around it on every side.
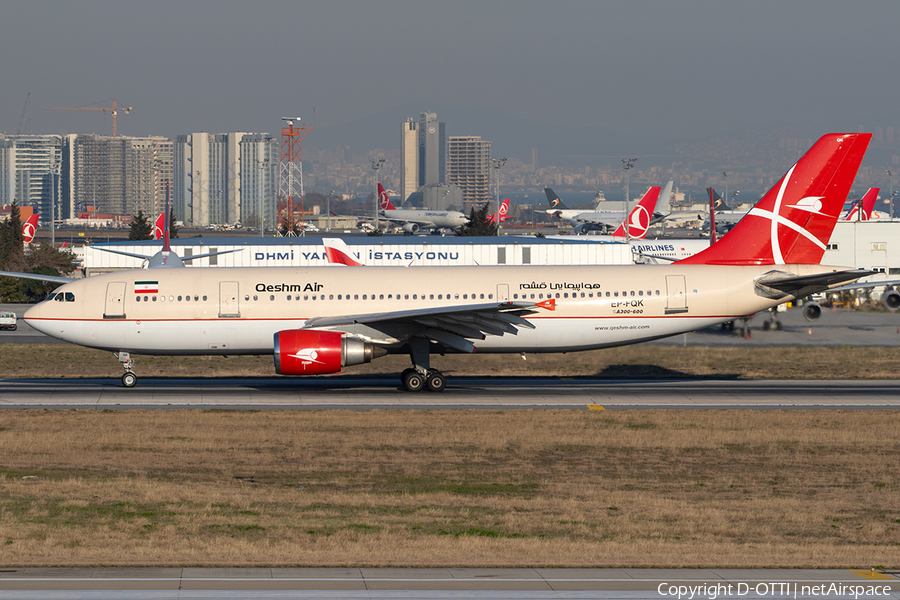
(439, 583)
(353, 392)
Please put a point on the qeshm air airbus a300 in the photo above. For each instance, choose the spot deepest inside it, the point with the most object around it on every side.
(323, 319)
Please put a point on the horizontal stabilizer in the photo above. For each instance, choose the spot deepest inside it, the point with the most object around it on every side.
(776, 284)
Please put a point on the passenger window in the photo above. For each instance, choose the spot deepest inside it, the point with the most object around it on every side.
(566, 295)
(188, 298)
(331, 297)
(356, 297)
(146, 299)
(380, 296)
(195, 298)
(406, 296)
(490, 296)
(138, 298)
(515, 296)
(305, 297)
(482, 297)
(465, 296)
(322, 297)
(289, 297)
(204, 298)
(364, 296)
(255, 297)
(154, 298)
(440, 296)
(431, 296)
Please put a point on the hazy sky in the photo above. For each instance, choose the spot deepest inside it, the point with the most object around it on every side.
(676, 68)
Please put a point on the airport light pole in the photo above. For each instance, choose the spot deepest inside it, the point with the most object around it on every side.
(376, 164)
(54, 173)
(498, 164)
(262, 164)
(891, 175)
(627, 164)
(725, 176)
(328, 216)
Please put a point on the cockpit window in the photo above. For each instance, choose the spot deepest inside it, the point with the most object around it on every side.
(70, 297)
(51, 296)
(60, 297)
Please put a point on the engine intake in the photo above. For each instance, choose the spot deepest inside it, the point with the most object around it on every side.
(312, 352)
(812, 311)
(891, 300)
(411, 228)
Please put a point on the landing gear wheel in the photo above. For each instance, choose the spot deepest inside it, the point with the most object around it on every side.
(436, 381)
(129, 380)
(413, 381)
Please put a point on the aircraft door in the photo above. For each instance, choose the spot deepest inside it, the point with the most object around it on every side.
(676, 295)
(115, 300)
(503, 292)
(228, 299)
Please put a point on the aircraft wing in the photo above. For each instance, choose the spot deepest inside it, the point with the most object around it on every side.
(36, 277)
(866, 284)
(776, 284)
(599, 219)
(451, 326)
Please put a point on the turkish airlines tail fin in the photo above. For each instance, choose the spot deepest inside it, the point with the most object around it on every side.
(554, 200)
(384, 203)
(503, 211)
(868, 205)
(29, 228)
(338, 253)
(638, 220)
(793, 222)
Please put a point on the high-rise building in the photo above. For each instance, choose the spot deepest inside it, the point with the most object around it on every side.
(469, 167)
(432, 150)
(27, 165)
(409, 159)
(259, 189)
(118, 175)
(209, 173)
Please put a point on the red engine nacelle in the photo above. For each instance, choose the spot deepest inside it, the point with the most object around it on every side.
(311, 352)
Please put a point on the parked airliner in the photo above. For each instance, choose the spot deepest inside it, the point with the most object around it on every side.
(411, 221)
(321, 320)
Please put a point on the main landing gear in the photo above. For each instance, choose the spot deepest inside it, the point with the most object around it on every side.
(129, 379)
(422, 375)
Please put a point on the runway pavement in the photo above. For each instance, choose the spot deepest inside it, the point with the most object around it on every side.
(354, 392)
(440, 583)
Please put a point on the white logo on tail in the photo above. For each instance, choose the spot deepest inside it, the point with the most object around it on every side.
(308, 355)
(810, 204)
(639, 221)
(28, 231)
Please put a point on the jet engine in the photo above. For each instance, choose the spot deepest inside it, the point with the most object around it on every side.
(410, 228)
(812, 311)
(311, 352)
(891, 300)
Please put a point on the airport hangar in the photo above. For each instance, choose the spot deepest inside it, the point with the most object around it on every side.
(372, 251)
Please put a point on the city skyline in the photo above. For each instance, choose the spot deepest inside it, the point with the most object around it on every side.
(625, 76)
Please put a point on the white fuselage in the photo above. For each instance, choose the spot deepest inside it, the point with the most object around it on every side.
(427, 219)
(238, 310)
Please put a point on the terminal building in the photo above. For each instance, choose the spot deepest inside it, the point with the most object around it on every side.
(371, 251)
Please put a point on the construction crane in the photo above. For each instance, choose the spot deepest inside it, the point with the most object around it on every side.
(114, 110)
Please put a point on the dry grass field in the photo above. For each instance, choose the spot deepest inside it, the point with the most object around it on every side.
(450, 488)
(63, 360)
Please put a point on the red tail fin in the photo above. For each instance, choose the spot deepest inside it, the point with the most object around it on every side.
(502, 211)
(794, 220)
(638, 220)
(868, 202)
(383, 201)
(29, 228)
(159, 226)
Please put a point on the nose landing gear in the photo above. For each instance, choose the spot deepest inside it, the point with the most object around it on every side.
(129, 379)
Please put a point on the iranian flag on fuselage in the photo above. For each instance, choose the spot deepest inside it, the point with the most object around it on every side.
(146, 287)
